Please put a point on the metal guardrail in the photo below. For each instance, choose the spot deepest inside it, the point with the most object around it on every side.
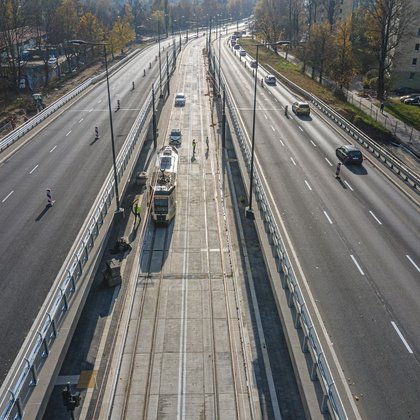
(23, 376)
(379, 152)
(331, 401)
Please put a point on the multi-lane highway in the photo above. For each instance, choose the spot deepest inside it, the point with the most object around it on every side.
(355, 243)
(65, 157)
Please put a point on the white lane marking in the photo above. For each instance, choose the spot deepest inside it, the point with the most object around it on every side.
(265, 116)
(348, 185)
(68, 133)
(313, 144)
(294, 163)
(412, 262)
(33, 169)
(329, 163)
(402, 337)
(281, 141)
(81, 119)
(276, 99)
(100, 100)
(307, 184)
(91, 109)
(328, 217)
(357, 265)
(371, 212)
(272, 128)
(52, 150)
(7, 196)
(300, 128)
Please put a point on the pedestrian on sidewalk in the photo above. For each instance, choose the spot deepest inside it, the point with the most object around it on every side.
(337, 170)
(194, 143)
(382, 107)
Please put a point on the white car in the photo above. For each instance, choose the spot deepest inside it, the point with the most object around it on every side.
(179, 99)
(52, 61)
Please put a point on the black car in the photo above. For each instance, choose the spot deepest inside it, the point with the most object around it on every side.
(349, 154)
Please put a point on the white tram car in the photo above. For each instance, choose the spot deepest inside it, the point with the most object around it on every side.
(162, 190)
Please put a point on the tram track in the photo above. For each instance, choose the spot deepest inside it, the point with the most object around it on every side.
(148, 277)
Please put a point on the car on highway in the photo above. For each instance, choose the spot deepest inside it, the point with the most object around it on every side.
(253, 64)
(180, 99)
(175, 136)
(236, 47)
(242, 53)
(301, 108)
(349, 154)
(270, 80)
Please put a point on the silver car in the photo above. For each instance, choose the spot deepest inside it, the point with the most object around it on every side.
(179, 99)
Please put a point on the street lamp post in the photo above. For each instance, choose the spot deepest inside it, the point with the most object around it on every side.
(249, 213)
(81, 42)
(160, 63)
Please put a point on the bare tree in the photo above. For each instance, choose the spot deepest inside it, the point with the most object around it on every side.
(387, 24)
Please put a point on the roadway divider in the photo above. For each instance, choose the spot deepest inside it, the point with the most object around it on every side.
(405, 173)
(331, 401)
(23, 376)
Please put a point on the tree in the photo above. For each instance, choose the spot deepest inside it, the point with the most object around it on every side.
(387, 24)
(319, 47)
(13, 32)
(342, 64)
(121, 34)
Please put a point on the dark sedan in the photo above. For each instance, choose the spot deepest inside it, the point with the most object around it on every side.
(349, 154)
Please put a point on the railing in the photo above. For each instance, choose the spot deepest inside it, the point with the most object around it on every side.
(23, 376)
(331, 401)
(407, 175)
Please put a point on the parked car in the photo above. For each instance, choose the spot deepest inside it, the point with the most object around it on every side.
(175, 136)
(179, 99)
(301, 108)
(52, 61)
(411, 95)
(242, 53)
(236, 47)
(349, 154)
(404, 91)
(270, 80)
(253, 64)
(412, 100)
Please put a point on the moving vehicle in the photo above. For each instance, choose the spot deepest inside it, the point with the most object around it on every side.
(162, 189)
(270, 80)
(301, 108)
(179, 99)
(349, 154)
(175, 136)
